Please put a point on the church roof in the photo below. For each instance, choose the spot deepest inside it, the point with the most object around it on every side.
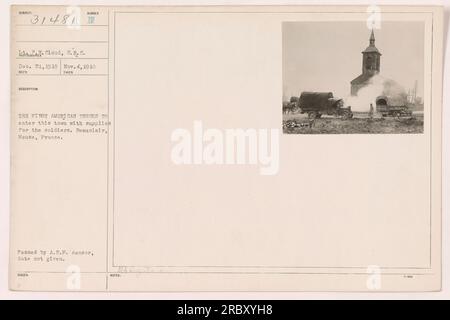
(363, 78)
(371, 49)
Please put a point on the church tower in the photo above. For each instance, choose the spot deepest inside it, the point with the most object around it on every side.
(370, 65)
(371, 57)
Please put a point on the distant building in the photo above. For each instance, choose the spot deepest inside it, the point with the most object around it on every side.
(370, 66)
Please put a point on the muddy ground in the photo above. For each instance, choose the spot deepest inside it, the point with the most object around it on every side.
(360, 123)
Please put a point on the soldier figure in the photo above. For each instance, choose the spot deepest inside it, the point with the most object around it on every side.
(371, 112)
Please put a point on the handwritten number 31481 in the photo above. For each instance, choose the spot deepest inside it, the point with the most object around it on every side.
(58, 19)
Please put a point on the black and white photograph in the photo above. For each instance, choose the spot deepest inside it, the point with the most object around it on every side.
(344, 77)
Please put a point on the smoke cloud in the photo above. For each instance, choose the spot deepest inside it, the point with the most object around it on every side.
(377, 86)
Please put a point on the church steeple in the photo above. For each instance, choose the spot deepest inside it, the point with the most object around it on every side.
(371, 57)
(372, 39)
(370, 65)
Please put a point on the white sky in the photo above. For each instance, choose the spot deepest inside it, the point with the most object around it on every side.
(326, 56)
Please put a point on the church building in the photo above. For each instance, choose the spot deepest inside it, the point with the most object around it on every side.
(370, 66)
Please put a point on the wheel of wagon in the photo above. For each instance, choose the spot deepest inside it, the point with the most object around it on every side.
(347, 115)
(312, 115)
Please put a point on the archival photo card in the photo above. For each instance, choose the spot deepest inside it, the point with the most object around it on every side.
(236, 148)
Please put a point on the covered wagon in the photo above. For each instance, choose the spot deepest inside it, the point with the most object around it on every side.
(394, 106)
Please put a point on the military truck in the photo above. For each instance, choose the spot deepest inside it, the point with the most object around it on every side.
(392, 106)
(316, 104)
